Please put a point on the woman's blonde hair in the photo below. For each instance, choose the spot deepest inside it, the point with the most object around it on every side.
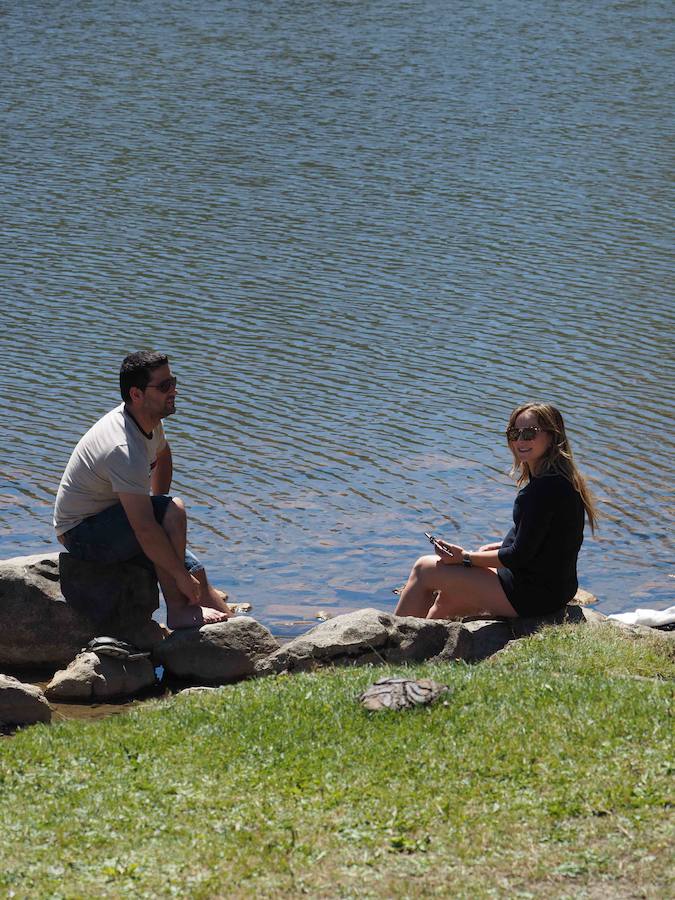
(558, 457)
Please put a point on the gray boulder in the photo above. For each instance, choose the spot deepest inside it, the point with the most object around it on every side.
(224, 652)
(46, 607)
(365, 636)
(92, 677)
(22, 704)
(485, 637)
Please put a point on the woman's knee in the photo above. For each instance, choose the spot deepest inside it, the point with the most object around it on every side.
(424, 567)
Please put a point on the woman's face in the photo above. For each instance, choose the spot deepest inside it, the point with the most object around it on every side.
(530, 450)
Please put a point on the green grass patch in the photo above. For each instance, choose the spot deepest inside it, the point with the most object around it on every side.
(546, 771)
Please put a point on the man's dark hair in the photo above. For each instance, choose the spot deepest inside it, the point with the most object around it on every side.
(136, 368)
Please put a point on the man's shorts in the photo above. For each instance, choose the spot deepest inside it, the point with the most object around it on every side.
(108, 537)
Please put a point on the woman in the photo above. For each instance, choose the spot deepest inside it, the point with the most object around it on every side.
(533, 571)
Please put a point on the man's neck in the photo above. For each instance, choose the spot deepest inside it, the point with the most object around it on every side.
(146, 424)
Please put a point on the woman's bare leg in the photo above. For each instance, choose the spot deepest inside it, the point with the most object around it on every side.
(435, 590)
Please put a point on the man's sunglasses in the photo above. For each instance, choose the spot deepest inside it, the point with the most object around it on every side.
(523, 434)
(164, 386)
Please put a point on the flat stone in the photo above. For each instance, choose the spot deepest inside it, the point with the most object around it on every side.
(92, 677)
(38, 627)
(358, 638)
(224, 652)
(22, 704)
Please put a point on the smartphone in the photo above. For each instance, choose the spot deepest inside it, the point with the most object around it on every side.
(434, 541)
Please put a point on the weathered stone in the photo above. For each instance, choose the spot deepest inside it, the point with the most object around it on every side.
(364, 636)
(224, 652)
(372, 636)
(637, 631)
(459, 643)
(584, 598)
(488, 636)
(22, 704)
(90, 677)
(199, 689)
(593, 617)
(38, 627)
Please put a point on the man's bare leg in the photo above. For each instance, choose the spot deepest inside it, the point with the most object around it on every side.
(211, 596)
(180, 613)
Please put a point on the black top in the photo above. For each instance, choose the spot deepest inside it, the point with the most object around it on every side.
(540, 552)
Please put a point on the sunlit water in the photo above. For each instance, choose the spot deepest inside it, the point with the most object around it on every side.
(363, 232)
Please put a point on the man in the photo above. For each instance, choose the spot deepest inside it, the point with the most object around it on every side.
(113, 505)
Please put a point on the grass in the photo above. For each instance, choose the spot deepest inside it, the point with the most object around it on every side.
(546, 772)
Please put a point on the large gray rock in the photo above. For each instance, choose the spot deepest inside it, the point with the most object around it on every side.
(485, 637)
(90, 677)
(372, 636)
(224, 652)
(22, 704)
(39, 627)
(365, 636)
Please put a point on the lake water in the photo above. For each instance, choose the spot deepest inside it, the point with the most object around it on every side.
(363, 231)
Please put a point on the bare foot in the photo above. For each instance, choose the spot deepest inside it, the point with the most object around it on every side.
(216, 599)
(193, 616)
(211, 596)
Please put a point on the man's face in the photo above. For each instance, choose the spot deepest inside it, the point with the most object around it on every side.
(159, 397)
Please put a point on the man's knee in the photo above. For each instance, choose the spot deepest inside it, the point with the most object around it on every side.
(175, 515)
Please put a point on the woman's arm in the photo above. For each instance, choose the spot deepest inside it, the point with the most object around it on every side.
(493, 546)
(482, 559)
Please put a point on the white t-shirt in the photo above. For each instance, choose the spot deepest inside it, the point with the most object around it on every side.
(113, 457)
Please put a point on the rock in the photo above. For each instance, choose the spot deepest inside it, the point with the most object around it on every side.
(199, 689)
(90, 677)
(488, 636)
(38, 627)
(224, 652)
(631, 630)
(584, 598)
(372, 636)
(22, 704)
(459, 643)
(367, 635)
(593, 617)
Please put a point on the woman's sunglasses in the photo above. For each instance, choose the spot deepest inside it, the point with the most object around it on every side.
(523, 434)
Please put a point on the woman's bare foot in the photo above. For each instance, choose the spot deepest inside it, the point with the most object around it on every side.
(190, 616)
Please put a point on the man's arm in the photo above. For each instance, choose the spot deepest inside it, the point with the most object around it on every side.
(156, 545)
(162, 474)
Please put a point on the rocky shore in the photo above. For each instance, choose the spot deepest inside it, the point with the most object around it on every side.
(44, 621)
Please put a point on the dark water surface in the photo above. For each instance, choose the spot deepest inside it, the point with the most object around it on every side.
(363, 231)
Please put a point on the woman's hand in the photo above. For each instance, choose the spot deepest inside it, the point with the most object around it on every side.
(494, 546)
(449, 554)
